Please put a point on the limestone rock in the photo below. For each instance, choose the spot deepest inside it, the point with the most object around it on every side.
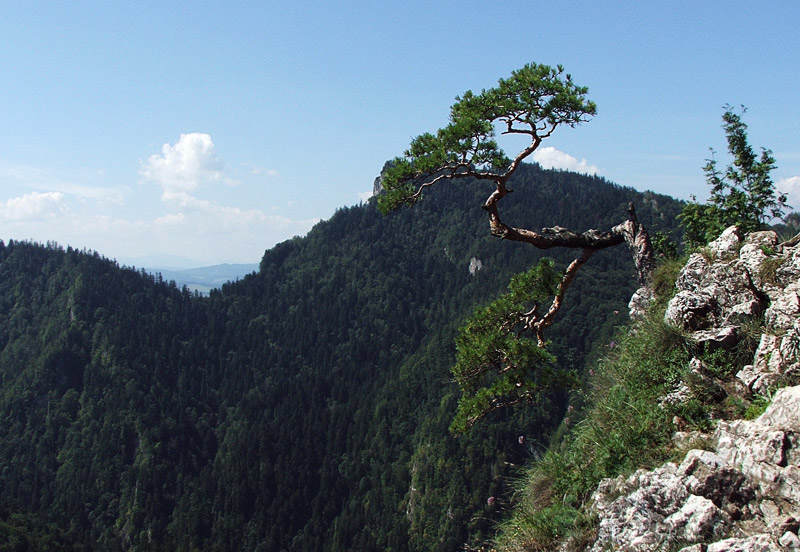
(753, 253)
(688, 440)
(725, 337)
(776, 357)
(764, 238)
(784, 308)
(789, 271)
(698, 520)
(691, 310)
(756, 543)
(640, 302)
(726, 246)
(750, 482)
(743, 494)
(784, 412)
(789, 541)
(716, 292)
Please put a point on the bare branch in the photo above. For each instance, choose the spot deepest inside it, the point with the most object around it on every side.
(557, 236)
(566, 280)
(521, 157)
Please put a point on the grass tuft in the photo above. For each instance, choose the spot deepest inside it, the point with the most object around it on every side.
(664, 276)
(768, 269)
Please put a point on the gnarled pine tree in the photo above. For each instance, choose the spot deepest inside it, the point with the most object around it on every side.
(501, 357)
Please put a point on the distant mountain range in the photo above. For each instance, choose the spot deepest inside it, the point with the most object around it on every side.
(204, 279)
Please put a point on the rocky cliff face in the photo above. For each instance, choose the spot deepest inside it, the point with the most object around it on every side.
(738, 487)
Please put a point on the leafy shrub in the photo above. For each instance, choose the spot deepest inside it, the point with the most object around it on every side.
(743, 194)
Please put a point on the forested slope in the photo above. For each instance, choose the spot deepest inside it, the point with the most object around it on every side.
(304, 407)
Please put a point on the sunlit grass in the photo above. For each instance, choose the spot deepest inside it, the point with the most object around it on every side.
(623, 426)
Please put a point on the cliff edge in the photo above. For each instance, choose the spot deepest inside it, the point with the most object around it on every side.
(738, 486)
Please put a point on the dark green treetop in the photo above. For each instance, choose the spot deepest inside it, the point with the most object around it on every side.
(533, 102)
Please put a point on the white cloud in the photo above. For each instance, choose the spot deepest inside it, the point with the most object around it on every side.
(257, 170)
(224, 215)
(213, 233)
(211, 218)
(172, 219)
(45, 179)
(199, 226)
(790, 187)
(181, 168)
(192, 219)
(551, 158)
(33, 205)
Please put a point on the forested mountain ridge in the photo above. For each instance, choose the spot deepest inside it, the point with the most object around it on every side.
(304, 407)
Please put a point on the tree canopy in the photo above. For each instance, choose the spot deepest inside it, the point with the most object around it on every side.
(299, 408)
(533, 102)
(496, 365)
(493, 340)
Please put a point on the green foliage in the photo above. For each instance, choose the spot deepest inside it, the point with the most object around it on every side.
(496, 366)
(625, 425)
(622, 429)
(20, 533)
(664, 276)
(533, 101)
(743, 194)
(540, 528)
(295, 409)
(498, 361)
(757, 407)
(663, 246)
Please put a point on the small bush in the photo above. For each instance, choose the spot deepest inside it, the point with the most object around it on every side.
(757, 407)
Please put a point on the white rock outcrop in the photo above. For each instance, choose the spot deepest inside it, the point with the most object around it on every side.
(743, 493)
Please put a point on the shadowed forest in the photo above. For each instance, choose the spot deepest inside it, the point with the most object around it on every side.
(305, 407)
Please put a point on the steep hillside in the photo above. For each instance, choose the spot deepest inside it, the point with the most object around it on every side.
(304, 407)
(690, 438)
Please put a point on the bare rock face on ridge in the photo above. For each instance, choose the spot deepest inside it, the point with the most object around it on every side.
(732, 284)
(716, 292)
(743, 493)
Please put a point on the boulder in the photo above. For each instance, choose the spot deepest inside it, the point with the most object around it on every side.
(726, 246)
(725, 337)
(743, 495)
(776, 358)
(756, 543)
(716, 290)
(784, 308)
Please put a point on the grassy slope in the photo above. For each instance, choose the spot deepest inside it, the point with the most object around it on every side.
(617, 427)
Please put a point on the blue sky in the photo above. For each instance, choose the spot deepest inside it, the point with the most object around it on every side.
(178, 133)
